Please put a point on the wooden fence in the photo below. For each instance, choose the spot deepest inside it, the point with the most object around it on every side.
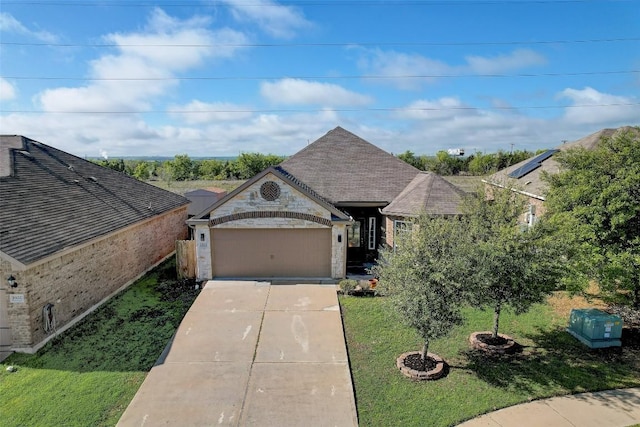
(186, 259)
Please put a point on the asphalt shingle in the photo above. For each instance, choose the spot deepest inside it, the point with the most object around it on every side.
(53, 200)
(344, 168)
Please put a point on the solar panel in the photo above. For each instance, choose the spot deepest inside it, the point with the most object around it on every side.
(532, 164)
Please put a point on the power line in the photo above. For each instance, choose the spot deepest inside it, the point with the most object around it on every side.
(125, 3)
(336, 44)
(317, 110)
(344, 77)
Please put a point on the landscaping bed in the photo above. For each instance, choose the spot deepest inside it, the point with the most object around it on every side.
(550, 362)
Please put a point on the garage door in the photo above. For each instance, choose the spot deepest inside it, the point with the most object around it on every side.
(272, 252)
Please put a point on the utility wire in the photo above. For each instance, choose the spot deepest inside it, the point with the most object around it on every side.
(336, 44)
(341, 110)
(344, 77)
(125, 3)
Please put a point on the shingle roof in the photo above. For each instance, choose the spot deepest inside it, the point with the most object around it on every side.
(532, 182)
(53, 200)
(343, 168)
(428, 193)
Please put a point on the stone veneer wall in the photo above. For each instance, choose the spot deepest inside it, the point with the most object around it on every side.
(289, 200)
(77, 280)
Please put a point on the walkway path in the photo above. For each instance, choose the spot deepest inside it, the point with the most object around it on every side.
(248, 353)
(611, 408)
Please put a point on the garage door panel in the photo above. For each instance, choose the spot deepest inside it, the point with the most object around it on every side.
(272, 252)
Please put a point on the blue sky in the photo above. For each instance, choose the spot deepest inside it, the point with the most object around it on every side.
(216, 78)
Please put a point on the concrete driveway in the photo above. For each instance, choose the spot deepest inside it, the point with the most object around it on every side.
(249, 353)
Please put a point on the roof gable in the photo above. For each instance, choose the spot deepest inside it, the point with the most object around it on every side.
(287, 178)
(427, 193)
(344, 168)
(54, 200)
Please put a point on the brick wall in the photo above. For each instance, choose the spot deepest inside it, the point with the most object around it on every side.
(78, 279)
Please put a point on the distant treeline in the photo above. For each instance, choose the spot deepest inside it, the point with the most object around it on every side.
(183, 168)
(246, 165)
(475, 164)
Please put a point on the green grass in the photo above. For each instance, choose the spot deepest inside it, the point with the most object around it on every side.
(88, 375)
(551, 363)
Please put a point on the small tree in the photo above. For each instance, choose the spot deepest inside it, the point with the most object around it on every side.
(422, 277)
(595, 201)
(512, 265)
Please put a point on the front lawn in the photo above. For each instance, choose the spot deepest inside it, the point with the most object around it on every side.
(552, 363)
(88, 375)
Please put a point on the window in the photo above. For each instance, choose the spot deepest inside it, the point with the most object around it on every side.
(372, 233)
(399, 228)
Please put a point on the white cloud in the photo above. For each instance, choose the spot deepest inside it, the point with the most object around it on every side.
(7, 90)
(302, 92)
(9, 24)
(274, 19)
(198, 112)
(439, 109)
(146, 56)
(589, 106)
(518, 59)
(411, 71)
(399, 66)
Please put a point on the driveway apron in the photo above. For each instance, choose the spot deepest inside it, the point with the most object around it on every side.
(249, 353)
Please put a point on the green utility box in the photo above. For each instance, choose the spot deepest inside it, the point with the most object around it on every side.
(595, 328)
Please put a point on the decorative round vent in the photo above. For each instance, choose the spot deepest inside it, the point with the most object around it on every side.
(270, 191)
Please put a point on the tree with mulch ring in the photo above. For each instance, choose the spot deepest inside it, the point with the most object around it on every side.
(421, 279)
(513, 265)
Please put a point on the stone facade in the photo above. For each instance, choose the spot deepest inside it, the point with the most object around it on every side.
(289, 210)
(77, 280)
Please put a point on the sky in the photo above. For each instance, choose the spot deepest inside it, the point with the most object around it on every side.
(211, 78)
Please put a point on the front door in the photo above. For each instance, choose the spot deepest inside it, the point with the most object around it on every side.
(356, 252)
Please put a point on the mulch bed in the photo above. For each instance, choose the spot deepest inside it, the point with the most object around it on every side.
(414, 361)
(411, 366)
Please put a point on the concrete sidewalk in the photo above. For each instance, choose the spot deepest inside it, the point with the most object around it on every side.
(248, 353)
(611, 408)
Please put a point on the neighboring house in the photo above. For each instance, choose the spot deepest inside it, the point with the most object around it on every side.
(72, 234)
(526, 177)
(202, 198)
(318, 212)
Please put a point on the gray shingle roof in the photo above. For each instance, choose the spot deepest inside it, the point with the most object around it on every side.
(428, 193)
(532, 182)
(54, 200)
(343, 168)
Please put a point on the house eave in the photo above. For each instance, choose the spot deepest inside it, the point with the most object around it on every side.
(515, 190)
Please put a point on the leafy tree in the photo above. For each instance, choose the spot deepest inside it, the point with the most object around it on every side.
(595, 202)
(422, 277)
(513, 265)
(411, 158)
(142, 171)
(180, 168)
(249, 164)
(211, 169)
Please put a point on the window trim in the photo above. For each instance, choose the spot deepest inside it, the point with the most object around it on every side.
(371, 237)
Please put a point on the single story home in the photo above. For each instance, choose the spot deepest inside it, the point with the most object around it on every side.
(526, 177)
(316, 214)
(202, 198)
(72, 234)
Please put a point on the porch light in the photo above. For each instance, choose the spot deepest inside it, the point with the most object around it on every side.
(12, 281)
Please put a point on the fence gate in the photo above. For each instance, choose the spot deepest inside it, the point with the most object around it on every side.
(186, 259)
